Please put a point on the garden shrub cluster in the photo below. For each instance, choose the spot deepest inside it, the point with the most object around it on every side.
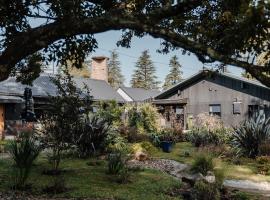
(207, 130)
(249, 138)
(202, 164)
(142, 117)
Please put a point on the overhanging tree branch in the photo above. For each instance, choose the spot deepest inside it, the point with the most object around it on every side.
(26, 43)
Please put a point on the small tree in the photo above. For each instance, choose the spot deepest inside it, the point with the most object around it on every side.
(175, 74)
(61, 123)
(116, 79)
(144, 74)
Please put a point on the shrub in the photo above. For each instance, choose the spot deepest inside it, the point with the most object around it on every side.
(145, 147)
(167, 134)
(203, 136)
(115, 142)
(240, 196)
(143, 117)
(263, 164)
(205, 121)
(250, 135)
(204, 191)
(264, 148)
(116, 162)
(202, 164)
(110, 111)
(149, 117)
(94, 131)
(24, 150)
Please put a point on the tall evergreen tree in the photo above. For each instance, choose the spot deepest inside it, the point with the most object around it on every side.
(175, 74)
(116, 79)
(144, 74)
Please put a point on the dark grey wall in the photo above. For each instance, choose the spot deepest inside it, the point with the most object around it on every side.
(224, 91)
(13, 111)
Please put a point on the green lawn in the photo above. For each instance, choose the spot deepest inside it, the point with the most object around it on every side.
(247, 170)
(93, 181)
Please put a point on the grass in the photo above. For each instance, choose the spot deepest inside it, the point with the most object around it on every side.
(246, 170)
(94, 182)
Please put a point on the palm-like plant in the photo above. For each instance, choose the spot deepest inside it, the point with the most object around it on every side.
(23, 152)
(250, 134)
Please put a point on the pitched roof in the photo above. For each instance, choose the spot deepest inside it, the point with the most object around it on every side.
(140, 94)
(203, 73)
(42, 86)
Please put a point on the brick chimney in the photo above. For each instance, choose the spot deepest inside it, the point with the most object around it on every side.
(99, 68)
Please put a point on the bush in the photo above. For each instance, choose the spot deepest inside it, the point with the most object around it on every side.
(202, 136)
(250, 135)
(202, 164)
(264, 148)
(91, 139)
(116, 162)
(263, 164)
(115, 142)
(111, 112)
(240, 196)
(24, 150)
(204, 191)
(143, 118)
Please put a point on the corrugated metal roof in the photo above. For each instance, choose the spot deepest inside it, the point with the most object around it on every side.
(139, 94)
(42, 86)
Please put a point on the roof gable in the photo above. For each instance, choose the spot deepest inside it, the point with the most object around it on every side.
(139, 94)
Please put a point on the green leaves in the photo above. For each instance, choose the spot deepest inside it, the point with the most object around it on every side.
(247, 138)
(24, 151)
(144, 74)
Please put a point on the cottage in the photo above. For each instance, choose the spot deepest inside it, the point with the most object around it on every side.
(229, 97)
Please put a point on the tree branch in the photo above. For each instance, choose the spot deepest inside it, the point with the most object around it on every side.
(170, 11)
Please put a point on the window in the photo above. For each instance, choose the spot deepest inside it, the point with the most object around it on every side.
(236, 107)
(215, 110)
(257, 109)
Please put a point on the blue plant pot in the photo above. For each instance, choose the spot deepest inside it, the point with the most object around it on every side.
(166, 146)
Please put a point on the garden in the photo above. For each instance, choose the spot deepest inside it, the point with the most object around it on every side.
(121, 152)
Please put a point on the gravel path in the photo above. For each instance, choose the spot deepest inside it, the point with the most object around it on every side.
(171, 167)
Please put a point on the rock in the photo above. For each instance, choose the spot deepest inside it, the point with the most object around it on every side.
(210, 179)
(141, 156)
(192, 178)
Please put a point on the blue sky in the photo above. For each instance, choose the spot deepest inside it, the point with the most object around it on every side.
(128, 57)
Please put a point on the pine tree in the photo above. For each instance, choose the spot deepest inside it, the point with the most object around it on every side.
(116, 79)
(175, 74)
(144, 74)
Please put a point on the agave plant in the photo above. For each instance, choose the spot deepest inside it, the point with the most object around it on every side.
(250, 135)
(24, 150)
